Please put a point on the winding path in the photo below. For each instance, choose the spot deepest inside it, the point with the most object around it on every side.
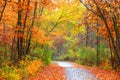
(73, 73)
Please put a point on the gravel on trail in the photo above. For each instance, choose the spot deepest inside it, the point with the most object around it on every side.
(78, 74)
(73, 73)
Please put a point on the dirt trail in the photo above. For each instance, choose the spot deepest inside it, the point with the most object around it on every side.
(73, 73)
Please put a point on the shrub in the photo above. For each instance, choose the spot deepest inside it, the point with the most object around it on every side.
(30, 67)
(43, 53)
(33, 67)
(87, 56)
(10, 73)
(70, 56)
(22, 71)
(46, 57)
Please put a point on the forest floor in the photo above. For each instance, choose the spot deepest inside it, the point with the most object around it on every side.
(71, 71)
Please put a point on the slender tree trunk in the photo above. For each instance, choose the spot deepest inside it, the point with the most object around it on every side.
(12, 49)
(30, 33)
(87, 37)
(97, 38)
(112, 62)
(24, 26)
(19, 39)
(116, 32)
(3, 10)
(26, 15)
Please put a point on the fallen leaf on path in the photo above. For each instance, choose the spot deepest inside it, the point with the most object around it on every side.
(51, 72)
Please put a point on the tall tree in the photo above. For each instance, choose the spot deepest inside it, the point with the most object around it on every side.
(108, 12)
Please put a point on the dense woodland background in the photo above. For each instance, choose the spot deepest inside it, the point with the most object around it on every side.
(35, 32)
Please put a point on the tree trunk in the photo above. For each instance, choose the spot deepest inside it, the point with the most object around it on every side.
(30, 33)
(19, 32)
(97, 38)
(24, 25)
(112, 62)
(3, 10)
(87, 37)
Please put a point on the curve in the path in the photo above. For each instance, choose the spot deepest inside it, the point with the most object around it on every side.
(64, 64)
(73, 73)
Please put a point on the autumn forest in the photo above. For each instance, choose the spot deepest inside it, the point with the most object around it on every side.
(59, 39)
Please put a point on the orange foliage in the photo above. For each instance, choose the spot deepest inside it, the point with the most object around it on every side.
(104, 32)
(40, 36)
(48, 4)
(52, 72)
(105, 75)
(33, 67)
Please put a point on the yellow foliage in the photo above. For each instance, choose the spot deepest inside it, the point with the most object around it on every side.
(10, 74)
(33, 67)
(14, 73)
(106, 65)
(75, 30)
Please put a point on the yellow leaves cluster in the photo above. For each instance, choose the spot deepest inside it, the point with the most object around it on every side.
(106, 65)
(75, 30)
(33, 67)
(10, 73)
(16, 76)
(58, 33)
(14, 73)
